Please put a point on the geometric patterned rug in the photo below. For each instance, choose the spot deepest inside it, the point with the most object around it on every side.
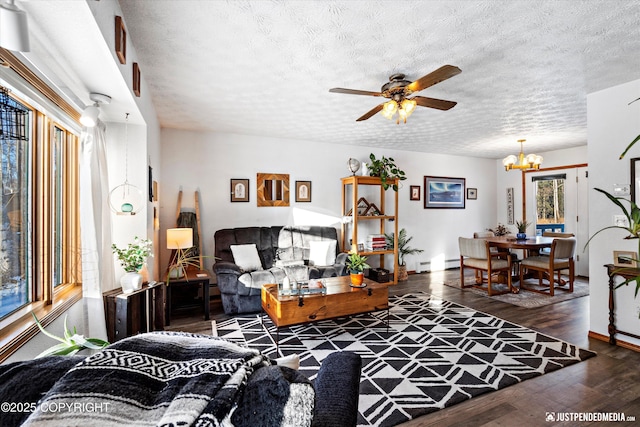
(433, 354)
(526, 298)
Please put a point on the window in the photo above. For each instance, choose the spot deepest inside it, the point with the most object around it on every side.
(15, 235)
(549, 193)
(40, 264)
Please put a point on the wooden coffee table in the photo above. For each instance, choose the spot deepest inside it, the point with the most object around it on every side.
(340, 300)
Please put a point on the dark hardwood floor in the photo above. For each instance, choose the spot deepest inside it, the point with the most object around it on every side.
(609, 382)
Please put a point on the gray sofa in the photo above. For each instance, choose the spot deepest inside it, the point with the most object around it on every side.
(283, 251)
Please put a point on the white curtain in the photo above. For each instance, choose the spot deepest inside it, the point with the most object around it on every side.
(95, 215)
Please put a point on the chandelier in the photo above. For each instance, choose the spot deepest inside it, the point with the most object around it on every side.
(531, 161)
(404, 109)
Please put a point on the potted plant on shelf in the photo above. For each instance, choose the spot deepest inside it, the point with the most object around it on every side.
(132, 259)
(403, 250)
(356, 265)
(386, 169)
(522, 229)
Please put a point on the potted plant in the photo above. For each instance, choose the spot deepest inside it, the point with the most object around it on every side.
(403, 250)
(500, 230)
(522, 229)
(386, 169)
(632, 215)
(71, 343)
(132, 259)
(356, 265)
(181, 262)
(632, 226)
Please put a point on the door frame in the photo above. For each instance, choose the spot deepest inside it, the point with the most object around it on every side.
(582, 257)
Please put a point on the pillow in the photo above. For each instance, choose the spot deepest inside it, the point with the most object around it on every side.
(322, 252)
(246, 257)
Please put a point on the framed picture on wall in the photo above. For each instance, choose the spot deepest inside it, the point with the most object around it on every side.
(444, 192)
(303, 191)
(472, 193)
(239, 190)
(414, 192)
(635, 179)
(121, 40)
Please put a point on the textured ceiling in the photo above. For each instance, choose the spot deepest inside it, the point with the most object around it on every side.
(266, 67)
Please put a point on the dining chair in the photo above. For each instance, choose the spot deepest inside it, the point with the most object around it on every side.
(476, 254)
(546, 251)
(560, 258)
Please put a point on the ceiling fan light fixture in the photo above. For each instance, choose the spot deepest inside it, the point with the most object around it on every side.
(409, 105)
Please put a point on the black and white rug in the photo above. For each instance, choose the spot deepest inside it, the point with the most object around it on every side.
(434, 354)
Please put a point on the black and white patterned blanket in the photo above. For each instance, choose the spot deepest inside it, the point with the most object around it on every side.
(160, 379)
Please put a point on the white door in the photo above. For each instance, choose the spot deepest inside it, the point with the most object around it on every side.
(576, 213)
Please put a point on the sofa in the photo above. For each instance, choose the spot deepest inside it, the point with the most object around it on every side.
(173, 378)
(296, 252)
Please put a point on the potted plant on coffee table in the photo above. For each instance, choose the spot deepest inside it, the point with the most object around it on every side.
(356, 264)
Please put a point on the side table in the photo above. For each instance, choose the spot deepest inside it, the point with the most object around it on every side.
(139, 311)
(197, 277)
(625, 273)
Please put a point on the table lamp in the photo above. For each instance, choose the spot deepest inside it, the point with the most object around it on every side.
(178, 239)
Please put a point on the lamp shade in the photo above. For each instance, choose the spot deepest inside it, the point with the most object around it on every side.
(179, 238)
(89, 116)
(14, 29)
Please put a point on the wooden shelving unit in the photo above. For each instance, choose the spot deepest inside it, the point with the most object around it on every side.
(387, 222)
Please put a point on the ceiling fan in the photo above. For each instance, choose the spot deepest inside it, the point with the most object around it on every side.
(398, 91)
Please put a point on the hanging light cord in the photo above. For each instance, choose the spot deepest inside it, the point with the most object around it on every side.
(126, 149)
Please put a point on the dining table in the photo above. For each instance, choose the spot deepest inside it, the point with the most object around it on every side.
(530, 245)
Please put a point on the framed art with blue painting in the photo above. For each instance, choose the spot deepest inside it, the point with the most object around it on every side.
(444, 192)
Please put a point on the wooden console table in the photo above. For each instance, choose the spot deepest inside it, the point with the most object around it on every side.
(135, 312)
(625, 273)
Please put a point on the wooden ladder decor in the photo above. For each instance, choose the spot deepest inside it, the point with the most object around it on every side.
(199, 228)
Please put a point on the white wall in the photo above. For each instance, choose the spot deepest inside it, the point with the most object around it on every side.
(206, 161)
(612, 125)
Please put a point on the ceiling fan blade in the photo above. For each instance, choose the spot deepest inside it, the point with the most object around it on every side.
(354, 91)
(440, 104)
(443, 73)
(373, 111)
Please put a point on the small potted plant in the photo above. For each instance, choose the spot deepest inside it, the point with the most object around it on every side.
(403, 250)
(132, 259)
(522, 229)
(356, 264)
(500, 230)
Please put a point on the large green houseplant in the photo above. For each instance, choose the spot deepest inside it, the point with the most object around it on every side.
(632, 215)
(386, 169)
(403, 250)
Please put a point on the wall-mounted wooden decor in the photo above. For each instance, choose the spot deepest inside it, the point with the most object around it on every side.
(121, 40)
(273, 189)
(136, 79)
